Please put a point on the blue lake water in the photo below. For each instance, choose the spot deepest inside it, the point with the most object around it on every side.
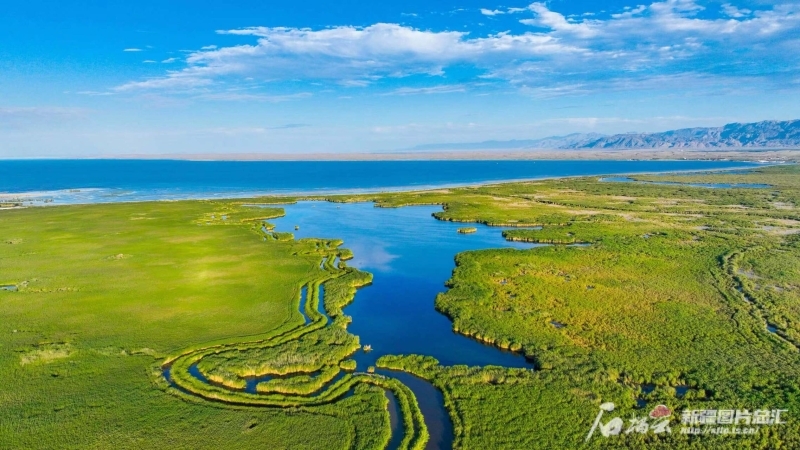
(410, 255)
(103, 181)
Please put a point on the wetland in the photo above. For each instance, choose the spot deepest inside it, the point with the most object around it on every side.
(366, 320)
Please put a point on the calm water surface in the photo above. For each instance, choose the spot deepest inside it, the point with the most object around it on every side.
(106, 181)
(410, 255)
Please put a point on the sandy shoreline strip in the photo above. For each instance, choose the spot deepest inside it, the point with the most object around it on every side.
(770, 155)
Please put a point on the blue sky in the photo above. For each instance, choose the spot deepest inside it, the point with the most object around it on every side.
(96, 78)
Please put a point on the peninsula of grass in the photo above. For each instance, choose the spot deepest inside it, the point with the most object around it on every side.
(687, 297)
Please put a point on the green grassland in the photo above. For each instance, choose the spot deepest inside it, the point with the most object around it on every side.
(108, 292)
(676, 288)
(318, 347)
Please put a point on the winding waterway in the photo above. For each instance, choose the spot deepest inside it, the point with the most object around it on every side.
(410, 255)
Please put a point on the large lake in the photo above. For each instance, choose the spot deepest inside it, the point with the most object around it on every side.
(103, 181)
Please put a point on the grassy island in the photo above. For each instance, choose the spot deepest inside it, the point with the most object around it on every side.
(685, 296)
(467, 230)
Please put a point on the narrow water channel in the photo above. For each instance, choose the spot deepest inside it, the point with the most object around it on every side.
(411, 256)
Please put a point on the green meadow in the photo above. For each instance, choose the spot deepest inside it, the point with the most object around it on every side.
(682, 296)
(668, 302)
(108, 292)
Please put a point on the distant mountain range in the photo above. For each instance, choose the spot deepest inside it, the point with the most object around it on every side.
(548, 143)
(767, 134)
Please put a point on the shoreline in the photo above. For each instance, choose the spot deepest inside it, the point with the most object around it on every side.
(646, 154)
(40, 196)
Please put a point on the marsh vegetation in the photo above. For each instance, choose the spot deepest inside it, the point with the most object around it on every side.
(687, 297)
(686, 289)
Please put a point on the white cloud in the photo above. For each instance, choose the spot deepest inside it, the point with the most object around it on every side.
(489, 12)
(354, 83)
(732, 11)
(132, 50)
(557, 55)
(498, 12)
(208, 47)
(95, 93)
(149, 61)
(290, 126)
(630, 12)
(558, 23)
(443, 89)
(688, 84)
(169, 60)
(235, 96)
(348, 55)
(670, 20)
(174, 80)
